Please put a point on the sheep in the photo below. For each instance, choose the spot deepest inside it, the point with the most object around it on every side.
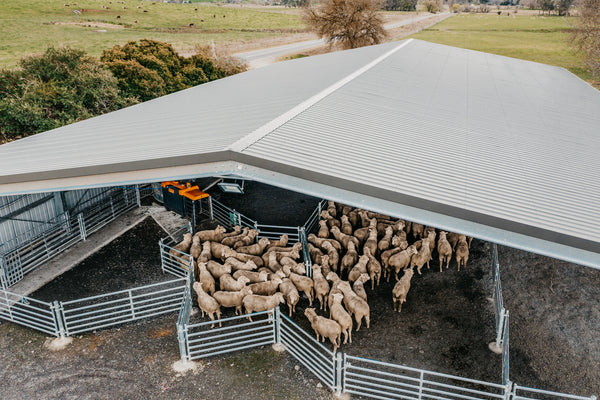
(282, 242)
(267, 288)
(255, 249)
(363, 233)
(254, 277)
(325, 327)
(180, 249)
(207, 304)
(219, 250)
(315, 253)
(350, 258)
(343, 238)
(331, 221)
(400, 240)
(233, 299)
(206, 253)
(228, 284)
(335, 281)
(417, 230)
(430, 234)
(346, 225)
(271, 274)
(296, 267)
(323, 229)
(371, 242)
(345, 209)
(359, 287)
(341, 316)
(374, 268)
(401, 288)
(359, 268)
(452, 239)
(206, 278)
(355, 305)
(319, 242)
(353, 218)
(244, 257)
(213, 235)
(331, 209)
(462, 251)
(278, 255)
(364, 219)
(296, 247)
(217, 269)
(237, 264)
(255, 303)
(321, 286)
(422, 257)
(383, 225)
(290, 293)
(402, 260)
(196, 248)
(303, 283)
(246, 240)
(272, 262)
(325, 267)
(333, 255)
(231, 240)
(386, 241)
(444, 249)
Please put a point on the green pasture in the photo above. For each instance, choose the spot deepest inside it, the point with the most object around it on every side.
(543, 39)
(30, 26)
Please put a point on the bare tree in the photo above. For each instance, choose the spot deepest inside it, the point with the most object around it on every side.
(586, 35)
(349, 23)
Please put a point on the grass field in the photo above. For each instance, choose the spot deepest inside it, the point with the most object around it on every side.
(30, 26)
(542, 39)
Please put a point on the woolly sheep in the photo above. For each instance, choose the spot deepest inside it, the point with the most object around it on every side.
(213, 235)
(290, 293)
(228, 284)
(233, 299)
(422, 257)
(303, 283)
(335, 281)
(359, 287)
(346, 225)
(331, 221)
(246, 240)
(196, 248)
(355, 305)
(343, 238)
(180, 249)
(255, 249)
(254, 277)
(324, 327)
(333, 255)
(323, 229)
(206, 278)
(267, 288)
(331, 209)
(374, 268)
(315, 253)
(207, 304)
(256, 303)
(371, 242)
(444, 249)
(217, 269)
(206, 253)
(402, 259)
(321, 286)
(462, 251)
(385, 243)
(231, 240)
(338, 313)
(359, 268)
(401, 289)
(417, 230)
(350, 258)
(237, 264)
(282, 242)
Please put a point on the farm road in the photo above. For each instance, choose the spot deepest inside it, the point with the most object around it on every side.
(263, 57)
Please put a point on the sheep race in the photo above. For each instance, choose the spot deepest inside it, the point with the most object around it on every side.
(353, 251)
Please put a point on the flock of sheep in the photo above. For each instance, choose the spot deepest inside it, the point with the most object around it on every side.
(352, 246)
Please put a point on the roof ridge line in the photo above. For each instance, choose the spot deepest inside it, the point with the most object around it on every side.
(246, 141)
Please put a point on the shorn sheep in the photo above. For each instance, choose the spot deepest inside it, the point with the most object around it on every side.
(290, 293)
(321, 286)
(233, 299)
(324, 327)
(401, 289)
(444, 249)
(355, 305)
(462, 251)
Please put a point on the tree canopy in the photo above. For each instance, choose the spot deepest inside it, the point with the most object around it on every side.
(586, 35)
(349, 23)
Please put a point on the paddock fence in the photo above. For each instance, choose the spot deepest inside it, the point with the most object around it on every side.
(499, 311)
(29, 312)
(527, 393)
(105, 310)
(64, 231)
(179, 263)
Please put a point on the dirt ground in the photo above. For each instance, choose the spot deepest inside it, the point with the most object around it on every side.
(445, 326)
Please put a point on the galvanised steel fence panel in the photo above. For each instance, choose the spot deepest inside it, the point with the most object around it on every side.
(275, 231)
(313, 355)
(236, 334)
(306, 253)
(111, 207)
(29, 312)
(312, 223)
(499, 310)
(380, 380)
(181, 265)
(505, 352)
(526, 393)
(115, 308)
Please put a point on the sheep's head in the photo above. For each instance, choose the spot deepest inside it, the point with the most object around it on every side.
(220, 229)
(280, 274)
(351, 246)
(344, 286)
(409, 272)
(246, 291)
(325, 215)
(297, 246)
(443, 234)
(196, 239)
(286, 270)
(323, 223)
(279, 297)
(277, 280)
(400, 225)
(396, 240)
(389, 231)
(252, 233)
(251, 265)
(264, 242)
(332, 277)
(335, 230)
(237, 229)
(243, 280)
(363, 278)
(198, 287)
(202, 266)
(411, 250)
(337, 298)
(283, 240)
(367, 252)
(295, 254)
(263, 276)
(316, 268)
(187, 237)
(311, 237)
(344, 219)
(300, 269)
(310, 313)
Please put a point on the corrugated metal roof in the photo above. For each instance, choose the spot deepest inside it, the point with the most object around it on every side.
(482, 143)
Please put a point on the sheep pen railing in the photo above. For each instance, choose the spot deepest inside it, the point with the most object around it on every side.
(64, 231)
(499, 310)
(35, 314)
(181, 265)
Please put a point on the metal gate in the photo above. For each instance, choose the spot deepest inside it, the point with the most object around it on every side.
(313, 355)
(29, 312)
(380, 380)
